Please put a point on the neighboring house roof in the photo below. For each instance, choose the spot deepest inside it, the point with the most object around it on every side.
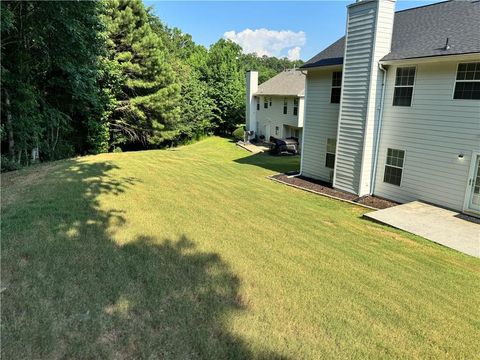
(332, 55)
(422, 32)
(287, 83)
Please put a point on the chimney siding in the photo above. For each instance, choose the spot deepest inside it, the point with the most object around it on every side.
(368, 39)
(251, 107)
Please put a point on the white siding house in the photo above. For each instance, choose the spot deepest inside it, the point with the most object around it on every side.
(434, 131)
(276, 107)
(408, 123)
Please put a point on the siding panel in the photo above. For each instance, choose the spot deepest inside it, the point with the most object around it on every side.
(273, 116)
(356, 79)
(369, 34)
(433, 132)
(320, 123)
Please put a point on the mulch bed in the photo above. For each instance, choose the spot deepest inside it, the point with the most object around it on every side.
(323, 187)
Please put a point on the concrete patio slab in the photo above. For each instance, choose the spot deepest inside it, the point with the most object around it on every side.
(253, 148)
(446, 227)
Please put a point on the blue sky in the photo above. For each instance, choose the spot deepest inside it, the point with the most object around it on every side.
(294, 29)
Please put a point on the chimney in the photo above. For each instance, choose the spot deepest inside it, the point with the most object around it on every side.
(251, 107)
(368, 39)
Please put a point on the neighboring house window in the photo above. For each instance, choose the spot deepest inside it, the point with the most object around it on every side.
(295, 106)
(394, 166)
(285, 106)
(265, 103)
(270, 101)
(330, 155)
(467, 84)
(404, 81)
(258, 104)
(336, 87)
(276, 130)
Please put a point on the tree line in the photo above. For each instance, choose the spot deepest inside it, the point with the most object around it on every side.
(87, 77)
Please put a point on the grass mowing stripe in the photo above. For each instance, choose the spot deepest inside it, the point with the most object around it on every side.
(194, 253)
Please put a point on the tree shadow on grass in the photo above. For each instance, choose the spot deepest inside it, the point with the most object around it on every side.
(279, 164)
(70, 291)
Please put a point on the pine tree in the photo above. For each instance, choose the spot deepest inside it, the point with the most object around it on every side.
(146, 91)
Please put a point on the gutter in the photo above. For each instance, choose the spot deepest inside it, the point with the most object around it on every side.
(378, 132)
(302, 71)
(432, 58)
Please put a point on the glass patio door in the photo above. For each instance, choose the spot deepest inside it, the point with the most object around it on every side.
(474, 182)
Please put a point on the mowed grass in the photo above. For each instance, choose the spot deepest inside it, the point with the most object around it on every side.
(193, 253)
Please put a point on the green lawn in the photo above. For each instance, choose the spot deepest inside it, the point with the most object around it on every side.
(193, 253)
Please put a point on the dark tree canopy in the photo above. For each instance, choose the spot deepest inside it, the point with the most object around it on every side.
(268, 66)
(51, 100)
(84, 77)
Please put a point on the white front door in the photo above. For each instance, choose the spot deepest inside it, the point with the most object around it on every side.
(473, 193)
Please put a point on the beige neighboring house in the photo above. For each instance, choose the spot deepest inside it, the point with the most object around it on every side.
(393, 107)
(275, 108)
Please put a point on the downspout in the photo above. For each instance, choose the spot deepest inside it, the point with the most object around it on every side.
(379, 129)
(304, 117)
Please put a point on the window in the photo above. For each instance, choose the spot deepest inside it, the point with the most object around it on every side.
(336, 87)
(404, 80)
(467, 84)
(270, 101)
(276, 130)
(285, 106)
(295, 106)
(265, 103)
(330, 154)
(258, 104)
(394, 166)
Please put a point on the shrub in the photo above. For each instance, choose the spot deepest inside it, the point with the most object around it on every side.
(117, 149)
(239, 133)
(8, 164)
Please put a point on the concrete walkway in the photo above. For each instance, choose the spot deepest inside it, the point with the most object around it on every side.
(446, 227)
(253, 148)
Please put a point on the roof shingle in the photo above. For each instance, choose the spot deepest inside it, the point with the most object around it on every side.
(422, 32)
(287, 83)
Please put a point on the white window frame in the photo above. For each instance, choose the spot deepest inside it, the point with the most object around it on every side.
(455, 81)
(265, 102)
(270, 102)
(285, 106)
(258, 104)
(295, 106)
(412, 86)
(397, 167)
(334, 153)
(336, 87)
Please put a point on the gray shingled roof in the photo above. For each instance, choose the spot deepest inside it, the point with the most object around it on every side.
(332, 55)
(422, 32)
(287, 83)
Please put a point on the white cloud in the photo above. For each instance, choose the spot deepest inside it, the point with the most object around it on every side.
(269, 42)
(294, 53)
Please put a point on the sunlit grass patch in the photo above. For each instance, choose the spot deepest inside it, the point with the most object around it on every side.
(194, 253)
